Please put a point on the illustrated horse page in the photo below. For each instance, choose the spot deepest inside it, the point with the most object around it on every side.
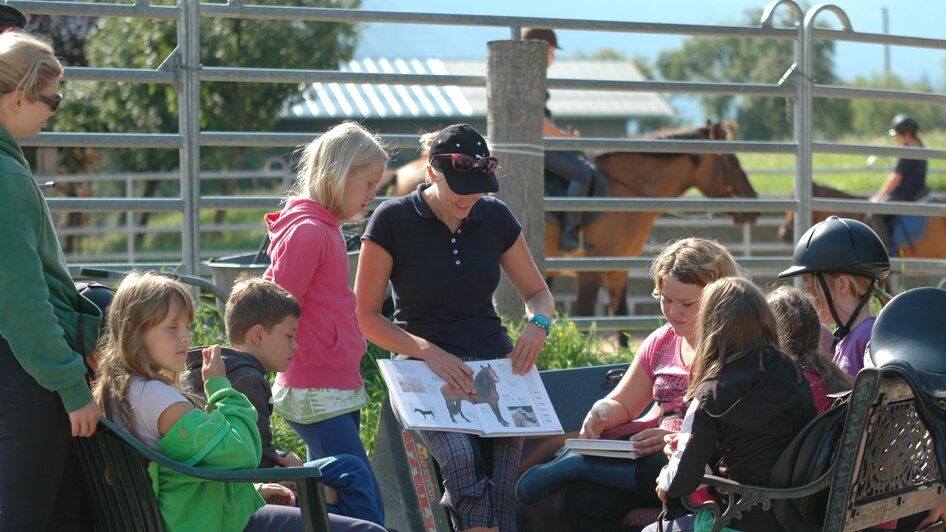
(504, 404)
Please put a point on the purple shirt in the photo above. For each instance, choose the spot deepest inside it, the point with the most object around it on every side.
(849, 353)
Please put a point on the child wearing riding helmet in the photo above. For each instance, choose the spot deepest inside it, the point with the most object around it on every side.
(443, 248)
(747, 400)
(322, 393)
(841, 262)
(799, 331)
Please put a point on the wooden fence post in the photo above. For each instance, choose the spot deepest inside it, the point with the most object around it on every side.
(515, 85)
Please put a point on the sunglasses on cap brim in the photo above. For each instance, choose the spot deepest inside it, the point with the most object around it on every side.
(462, 162)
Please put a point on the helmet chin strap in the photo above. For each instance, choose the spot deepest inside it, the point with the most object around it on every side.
(843, 330)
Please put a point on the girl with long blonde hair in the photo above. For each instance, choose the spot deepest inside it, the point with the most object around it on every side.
(322, 393)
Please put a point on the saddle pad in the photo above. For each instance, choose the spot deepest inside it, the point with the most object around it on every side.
(907, 229)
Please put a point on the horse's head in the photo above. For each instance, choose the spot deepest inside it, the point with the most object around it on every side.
(488, 372)
(485, 383)
(726, 178)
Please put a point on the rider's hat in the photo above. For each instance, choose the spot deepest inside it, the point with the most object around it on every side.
(11, 17)
(840, 245)
(541, 34)
(903, 123)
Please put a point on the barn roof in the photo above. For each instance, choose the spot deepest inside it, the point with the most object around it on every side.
(350, 100)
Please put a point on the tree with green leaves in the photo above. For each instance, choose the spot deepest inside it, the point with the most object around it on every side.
(752, 60)
(872, 117)
(152, 108)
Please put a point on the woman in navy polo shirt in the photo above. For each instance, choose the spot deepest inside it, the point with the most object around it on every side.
(442, 247)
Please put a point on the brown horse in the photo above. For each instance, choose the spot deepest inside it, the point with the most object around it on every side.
(403, 179)
(485, 384)
(932, 245)
(630, 174)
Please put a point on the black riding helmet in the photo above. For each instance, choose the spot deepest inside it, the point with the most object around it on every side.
(98, 294)
(11, 17)
(903, 123)
(840, 245)
(910, 329)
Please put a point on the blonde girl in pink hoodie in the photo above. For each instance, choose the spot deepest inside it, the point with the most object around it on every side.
(321, 394)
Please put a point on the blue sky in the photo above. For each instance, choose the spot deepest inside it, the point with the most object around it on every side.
(921, 18)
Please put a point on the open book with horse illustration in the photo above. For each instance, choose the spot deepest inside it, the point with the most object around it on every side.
(504, 404)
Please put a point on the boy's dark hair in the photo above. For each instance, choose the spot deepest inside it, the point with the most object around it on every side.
(257, 301)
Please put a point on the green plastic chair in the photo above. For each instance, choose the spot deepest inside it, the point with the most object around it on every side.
(114, 466)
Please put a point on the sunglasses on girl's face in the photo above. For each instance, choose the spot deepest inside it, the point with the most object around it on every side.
(52, 101)
(462, 162)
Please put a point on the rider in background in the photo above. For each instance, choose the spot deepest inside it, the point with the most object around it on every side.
(565, 164)
(908, 180)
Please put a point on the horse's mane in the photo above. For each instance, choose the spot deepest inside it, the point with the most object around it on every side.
(686, 133)
(680, 133)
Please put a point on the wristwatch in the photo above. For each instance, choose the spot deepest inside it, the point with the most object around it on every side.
(542, 321)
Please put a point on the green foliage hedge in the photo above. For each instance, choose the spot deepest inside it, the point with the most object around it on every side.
(566, 347)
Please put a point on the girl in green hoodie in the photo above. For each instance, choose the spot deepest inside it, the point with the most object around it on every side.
(144, 349)
(46, 327)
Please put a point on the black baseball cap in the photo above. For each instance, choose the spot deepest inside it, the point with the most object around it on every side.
(462, 138)
(11, 17)
(541, 34)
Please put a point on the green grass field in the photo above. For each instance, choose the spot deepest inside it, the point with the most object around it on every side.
(857, 179)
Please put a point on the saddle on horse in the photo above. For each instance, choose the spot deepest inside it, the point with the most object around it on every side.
(901, 230)
(557, 185)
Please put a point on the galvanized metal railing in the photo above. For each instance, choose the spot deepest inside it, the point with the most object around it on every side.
(184, 71)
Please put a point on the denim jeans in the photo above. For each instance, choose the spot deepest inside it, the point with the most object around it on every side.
(356, 497)
(336, 436)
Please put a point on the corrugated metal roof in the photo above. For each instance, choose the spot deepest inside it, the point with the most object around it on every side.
(350, 100)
